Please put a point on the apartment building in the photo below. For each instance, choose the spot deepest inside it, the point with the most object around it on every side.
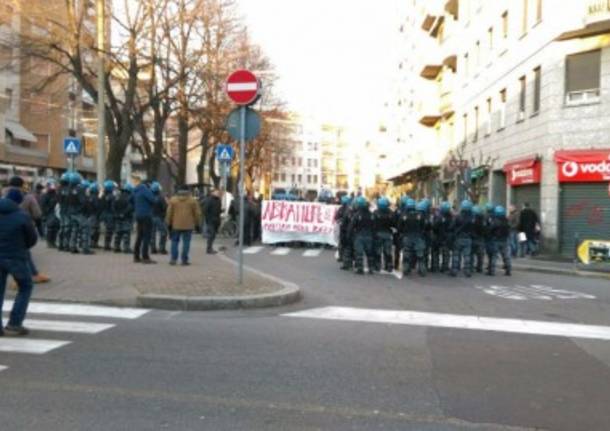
(523, 87)
(298, 169)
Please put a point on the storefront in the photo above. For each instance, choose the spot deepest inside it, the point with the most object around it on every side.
(523, 176)
(584, 204)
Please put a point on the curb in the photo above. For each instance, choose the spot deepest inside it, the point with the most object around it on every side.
(289, 294)
(557, 271)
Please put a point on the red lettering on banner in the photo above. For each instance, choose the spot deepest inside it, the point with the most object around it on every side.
(583, 166)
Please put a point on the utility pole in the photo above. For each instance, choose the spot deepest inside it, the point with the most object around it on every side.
(101, 103)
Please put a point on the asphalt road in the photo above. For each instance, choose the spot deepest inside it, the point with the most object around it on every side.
(276, 370)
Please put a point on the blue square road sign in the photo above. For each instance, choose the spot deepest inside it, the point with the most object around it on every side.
(72, 146)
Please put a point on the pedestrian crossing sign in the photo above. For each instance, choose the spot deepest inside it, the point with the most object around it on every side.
(72, 146)
(224, 153)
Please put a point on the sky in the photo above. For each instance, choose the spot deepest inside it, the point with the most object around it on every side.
(335, 58)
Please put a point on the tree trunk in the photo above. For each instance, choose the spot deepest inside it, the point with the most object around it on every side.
(183, 136)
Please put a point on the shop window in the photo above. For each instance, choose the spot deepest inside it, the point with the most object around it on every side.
(583, 77)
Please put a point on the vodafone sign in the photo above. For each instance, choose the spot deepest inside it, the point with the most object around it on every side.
(523, 172)
(583, 166)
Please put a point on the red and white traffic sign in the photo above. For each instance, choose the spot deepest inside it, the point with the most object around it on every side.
(243, 87)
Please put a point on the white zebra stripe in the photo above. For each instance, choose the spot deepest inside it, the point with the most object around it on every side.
(81, 310)
(282, 251)
(314, 252)
(63, 326)
(25, 345)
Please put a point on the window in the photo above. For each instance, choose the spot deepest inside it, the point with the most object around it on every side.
(537, 89)
(488, 117)
(477, 55)
(293, 178)
(315, 179)
(475, 136)
(90, 146)
(502, 111)
(300, 162)
(490, 40)
(538, 11)
(308, 179)
(583, 77)
(315, 163)
(299, 178)
(284, 161)
(522, 97)
(276, 177)
(294, 162)
(283, 178)
(505, 25)
(524, 17)
(8, 92)
(465, 127)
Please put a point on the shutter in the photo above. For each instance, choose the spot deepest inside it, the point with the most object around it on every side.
(584, 212)
(498, 194)
(527, 194)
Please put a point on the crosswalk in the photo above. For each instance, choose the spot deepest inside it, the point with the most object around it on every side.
(284, 251)
(33, 345)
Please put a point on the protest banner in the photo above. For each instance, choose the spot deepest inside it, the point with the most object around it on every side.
(284, 221)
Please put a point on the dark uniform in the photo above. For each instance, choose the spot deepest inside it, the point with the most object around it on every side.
(500, 233)
(48, 206)
(159, 227)
(75, 208)
(385, 224)
(64, 220)
(347, 252)
(442, 240)
(462, 247)
(361, 229)
(412, 226)
(107, 216)
(90, 214)
(479, 233)
(122, 209)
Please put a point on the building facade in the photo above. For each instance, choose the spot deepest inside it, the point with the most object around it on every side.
(523, 87)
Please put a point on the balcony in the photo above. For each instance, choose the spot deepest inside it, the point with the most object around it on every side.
(431, 71)
(452, 7)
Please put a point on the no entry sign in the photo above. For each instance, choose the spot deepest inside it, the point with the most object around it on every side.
(242, 87)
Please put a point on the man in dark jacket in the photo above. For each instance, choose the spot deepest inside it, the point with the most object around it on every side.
(528, 223)
(17, 236)
(159, 213)
(212, 209)
(48, 204)
(143, 200)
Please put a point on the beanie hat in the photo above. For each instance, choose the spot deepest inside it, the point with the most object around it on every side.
(16, 181)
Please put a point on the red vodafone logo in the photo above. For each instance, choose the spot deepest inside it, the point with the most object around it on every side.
(243, 87)
(583, 166)
(570, 169)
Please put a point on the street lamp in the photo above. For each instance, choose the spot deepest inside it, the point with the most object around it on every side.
(101, 109)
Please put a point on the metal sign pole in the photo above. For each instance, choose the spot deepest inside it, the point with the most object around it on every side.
(242, 173)
(72, 162)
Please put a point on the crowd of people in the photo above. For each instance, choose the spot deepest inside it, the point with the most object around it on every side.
(447, 240)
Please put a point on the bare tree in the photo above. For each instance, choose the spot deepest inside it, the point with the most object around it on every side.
(465, 161)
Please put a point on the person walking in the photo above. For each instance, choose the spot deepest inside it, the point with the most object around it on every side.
(513, 222)
(17, 236)
(528, 223)
(212, 210)
(183, 215)
(143, 200)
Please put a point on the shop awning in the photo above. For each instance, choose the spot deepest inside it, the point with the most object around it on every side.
(19, 132)
(523, 171)
(594, 29)
(583, 165)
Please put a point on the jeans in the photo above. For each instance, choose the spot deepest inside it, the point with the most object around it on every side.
(514, 242)
(31, 264)
(185, 236)
(143, 237)
(20, 270)
(159, 228)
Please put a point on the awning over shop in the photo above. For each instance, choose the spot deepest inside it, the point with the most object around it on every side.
(594, 29)
(523, 171)
(581, 166)
(19, 132)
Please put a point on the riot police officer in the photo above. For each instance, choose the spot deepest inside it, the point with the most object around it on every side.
(442, 238)
(488, 221)
(48, 205)
(64, 220)
(479, 231)
(348, 239)
(341, 218)
(412, 226)
(75, 207)
(122, 209)
(500, 233)
(89, 216)
(107, 213)
(384, 222)
(361, 229)
(462, 246)
(94, 193)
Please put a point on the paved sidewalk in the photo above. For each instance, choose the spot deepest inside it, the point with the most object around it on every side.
(112, 278)
(561, 267)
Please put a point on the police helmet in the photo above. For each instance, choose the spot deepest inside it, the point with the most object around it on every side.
(410, 204)
(108, 185)
(75, 178)
(65, 178)
(127, 187)
(466, 205)
(489, 207)
(361, 202)
(477, 210)
(500, 211)
(445, 207)
(345, 200)
(155, 187)
(85, 184)
(422, 207)
(383, 203)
